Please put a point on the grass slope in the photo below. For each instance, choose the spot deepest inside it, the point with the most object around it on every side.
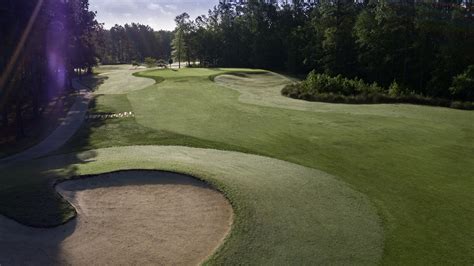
(414, 163)
(120, 80)
(284, 213)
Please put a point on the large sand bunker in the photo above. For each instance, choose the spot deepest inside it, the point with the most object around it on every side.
(131, 217)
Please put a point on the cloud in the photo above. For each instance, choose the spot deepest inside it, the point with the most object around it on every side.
(171, 7)
(158, 7)
(154, 6)
(158, 14)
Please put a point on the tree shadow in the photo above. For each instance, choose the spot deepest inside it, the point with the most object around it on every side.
(93, 82)
(27, 189)
(29, 200)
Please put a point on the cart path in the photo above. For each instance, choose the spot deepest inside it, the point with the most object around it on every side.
(70, 124)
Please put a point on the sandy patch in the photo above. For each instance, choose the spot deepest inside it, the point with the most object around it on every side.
(132, 217)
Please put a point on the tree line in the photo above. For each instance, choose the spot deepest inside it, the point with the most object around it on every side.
(421, 46)
(42, 44)
(133, 42)
(47, 43)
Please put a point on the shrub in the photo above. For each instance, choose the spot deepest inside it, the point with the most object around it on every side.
(324, 88)
(323, 83)
(135, 63)
(162, 63)
(462, 87)
(394, 89)
(150, 62)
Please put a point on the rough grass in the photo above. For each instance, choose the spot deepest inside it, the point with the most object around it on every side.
(284, 213)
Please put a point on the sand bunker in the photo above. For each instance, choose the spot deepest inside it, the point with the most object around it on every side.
(132, 217)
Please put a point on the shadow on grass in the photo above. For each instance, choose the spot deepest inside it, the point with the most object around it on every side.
(92, 82)
(28, 197)
(143, 74)
(48, 247)
(27, 188)
(27, 193)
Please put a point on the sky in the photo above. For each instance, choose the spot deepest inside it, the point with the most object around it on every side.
(158, 14)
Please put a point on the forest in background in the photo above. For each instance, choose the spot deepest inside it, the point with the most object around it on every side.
(419, 46)
(133, 42)
(43, 44)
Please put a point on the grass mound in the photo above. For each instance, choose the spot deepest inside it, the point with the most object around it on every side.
(284, 213)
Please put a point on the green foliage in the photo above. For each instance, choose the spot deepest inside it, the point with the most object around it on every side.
(150, 62)
(31, 32)
(421, 45)
(463, 85)
(324, 88)
(323, 83)
(123, 44)
(336, 22)
(135, 63)
(179, 46)
(181, 50)
(162, 63)
(394, 89)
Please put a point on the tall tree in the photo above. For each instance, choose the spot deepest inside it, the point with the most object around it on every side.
(43, 43)
(181, 38)
(179, 46)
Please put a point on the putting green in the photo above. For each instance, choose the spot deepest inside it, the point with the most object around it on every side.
(284, 213)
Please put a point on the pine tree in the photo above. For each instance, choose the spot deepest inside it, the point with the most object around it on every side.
(179, 46)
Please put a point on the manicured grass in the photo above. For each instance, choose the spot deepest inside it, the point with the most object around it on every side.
(414, 163)
(125, 131)
(284, 213)
(120, 80)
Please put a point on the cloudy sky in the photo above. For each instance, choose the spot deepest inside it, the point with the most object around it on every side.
(159, 14)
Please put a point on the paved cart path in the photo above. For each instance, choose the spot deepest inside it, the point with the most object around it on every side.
(71, 123)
